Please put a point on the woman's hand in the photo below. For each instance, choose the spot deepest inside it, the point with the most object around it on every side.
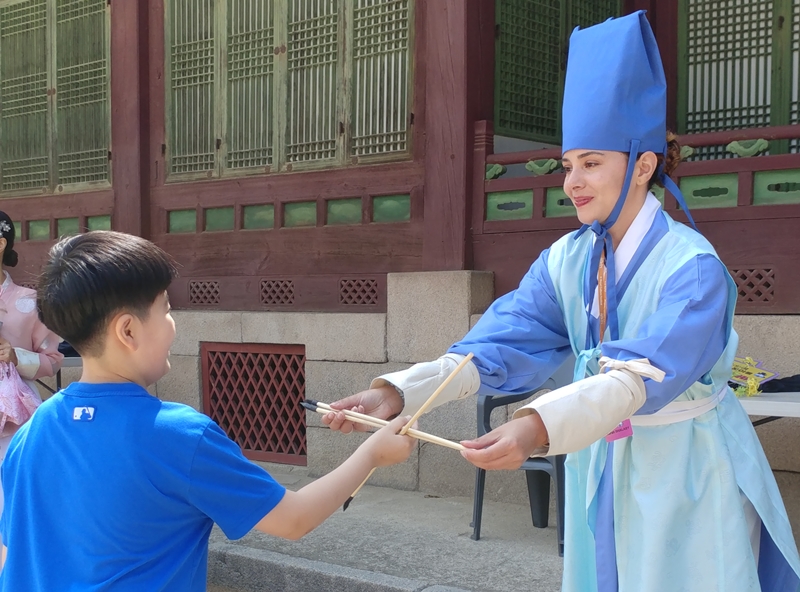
(508, 446)
(7, 353)
(383, 402)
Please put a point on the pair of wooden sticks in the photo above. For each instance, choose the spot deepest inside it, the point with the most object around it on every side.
(407, 429)
(324, 409)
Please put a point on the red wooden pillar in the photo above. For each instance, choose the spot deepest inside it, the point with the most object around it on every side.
(129, 100)
(459, 62)
(483, 142)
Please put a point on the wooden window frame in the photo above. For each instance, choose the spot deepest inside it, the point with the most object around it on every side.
(345, 106)
(53, 185)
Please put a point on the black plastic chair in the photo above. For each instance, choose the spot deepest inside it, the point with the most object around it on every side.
(538, 472)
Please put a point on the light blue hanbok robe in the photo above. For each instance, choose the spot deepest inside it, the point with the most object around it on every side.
(661, 511)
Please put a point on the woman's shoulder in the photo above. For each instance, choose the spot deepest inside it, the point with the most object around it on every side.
(20, 291)
(688, 237)
(573, 242)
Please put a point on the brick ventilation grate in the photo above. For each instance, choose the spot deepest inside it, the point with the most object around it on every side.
(277, 292)
(358, 292)
(754, 285)
(203, 292)
(255, 398)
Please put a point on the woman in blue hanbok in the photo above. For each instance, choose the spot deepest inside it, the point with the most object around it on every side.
(667, 486)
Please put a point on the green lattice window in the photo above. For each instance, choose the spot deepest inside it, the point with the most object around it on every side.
(738, 67)
(54, 94)
(530, 56)
(268, 85)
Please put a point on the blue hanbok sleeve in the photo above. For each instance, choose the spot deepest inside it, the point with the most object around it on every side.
(522, 338)
(686, 335)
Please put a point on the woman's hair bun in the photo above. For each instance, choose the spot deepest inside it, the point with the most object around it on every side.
(10, 258)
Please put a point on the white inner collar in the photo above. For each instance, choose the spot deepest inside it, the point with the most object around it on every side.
(629, 244)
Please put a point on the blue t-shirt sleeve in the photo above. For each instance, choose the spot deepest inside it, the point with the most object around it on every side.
(686, 335)
(522, 338)
(232, 491)
(3, 516)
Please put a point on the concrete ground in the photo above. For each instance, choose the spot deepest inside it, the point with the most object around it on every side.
(393, 540)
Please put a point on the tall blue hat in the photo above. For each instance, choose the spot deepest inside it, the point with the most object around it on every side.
(615, 98)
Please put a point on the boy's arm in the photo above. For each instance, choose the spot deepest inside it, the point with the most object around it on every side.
(300, 512)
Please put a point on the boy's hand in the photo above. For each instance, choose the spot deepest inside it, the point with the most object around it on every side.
(387, 447)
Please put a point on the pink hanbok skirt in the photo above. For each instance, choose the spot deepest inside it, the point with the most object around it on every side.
(17, 400)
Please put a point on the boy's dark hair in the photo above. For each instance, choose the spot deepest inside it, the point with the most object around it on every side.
(90, 277)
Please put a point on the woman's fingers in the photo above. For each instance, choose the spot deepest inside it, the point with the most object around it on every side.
(338, 421)
(507, 446)
(482, 442)
(498, 456)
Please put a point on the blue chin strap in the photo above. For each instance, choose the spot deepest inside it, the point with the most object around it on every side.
(603, 241)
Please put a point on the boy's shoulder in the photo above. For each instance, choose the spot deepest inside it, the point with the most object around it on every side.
(181, 418)
(111, 403)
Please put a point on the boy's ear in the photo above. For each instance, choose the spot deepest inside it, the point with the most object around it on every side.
(123, 330)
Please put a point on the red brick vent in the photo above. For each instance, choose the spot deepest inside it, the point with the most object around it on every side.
(755, 285)
(253, 391)
(358, 292)
(277, 292)
(201, 292)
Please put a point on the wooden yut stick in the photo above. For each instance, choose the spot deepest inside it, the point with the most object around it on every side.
(436, 393)
(364, 482)
(375, 422)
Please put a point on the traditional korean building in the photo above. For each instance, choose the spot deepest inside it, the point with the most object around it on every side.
(346, 184)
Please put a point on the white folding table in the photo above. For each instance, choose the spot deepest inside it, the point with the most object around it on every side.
(772, 405)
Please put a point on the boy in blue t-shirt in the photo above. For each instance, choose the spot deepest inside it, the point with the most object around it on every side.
(109, 488)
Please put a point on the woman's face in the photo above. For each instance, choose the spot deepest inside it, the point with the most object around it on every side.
(594, 181)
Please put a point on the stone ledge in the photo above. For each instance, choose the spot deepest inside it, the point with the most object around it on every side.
(232, 567)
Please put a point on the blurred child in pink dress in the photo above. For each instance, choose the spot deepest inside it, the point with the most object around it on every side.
(27, 347)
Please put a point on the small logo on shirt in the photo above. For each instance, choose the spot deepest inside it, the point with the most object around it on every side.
(83, 413)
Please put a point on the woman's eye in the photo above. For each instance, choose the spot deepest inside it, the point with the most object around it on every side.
(567, 170)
